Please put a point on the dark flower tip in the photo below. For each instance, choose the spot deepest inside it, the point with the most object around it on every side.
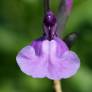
(50, 19)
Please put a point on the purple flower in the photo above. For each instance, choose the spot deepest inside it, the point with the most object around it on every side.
(48, 56)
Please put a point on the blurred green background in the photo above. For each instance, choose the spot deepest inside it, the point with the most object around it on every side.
(20, 23)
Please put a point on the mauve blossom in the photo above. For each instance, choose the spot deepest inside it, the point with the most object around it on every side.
(48, 56)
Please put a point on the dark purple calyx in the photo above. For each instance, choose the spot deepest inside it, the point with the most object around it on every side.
(50, 24)
(50, 19)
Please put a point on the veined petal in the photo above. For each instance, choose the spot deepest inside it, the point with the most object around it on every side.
(30, 63)
(50, 59)
(63, 67)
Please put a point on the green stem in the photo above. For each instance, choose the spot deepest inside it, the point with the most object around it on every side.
(46, 6)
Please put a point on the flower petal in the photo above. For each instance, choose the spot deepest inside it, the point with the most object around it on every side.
(30, 63)
(50, 59)
(64, 67)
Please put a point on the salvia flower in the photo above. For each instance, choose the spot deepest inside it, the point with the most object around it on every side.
(48, 56)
